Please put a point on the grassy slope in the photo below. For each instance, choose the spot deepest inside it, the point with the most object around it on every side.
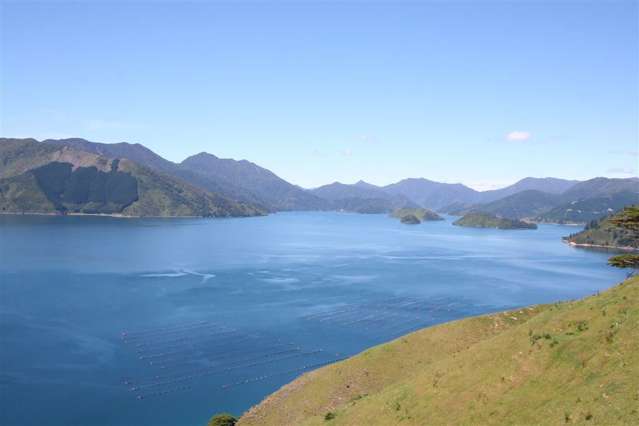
(484, 370)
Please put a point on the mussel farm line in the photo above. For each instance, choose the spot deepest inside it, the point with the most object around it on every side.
(175, 356)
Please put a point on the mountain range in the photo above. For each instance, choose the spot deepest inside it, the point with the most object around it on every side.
(361, 197)
(580, 203)
(38, 177)
(78, 176)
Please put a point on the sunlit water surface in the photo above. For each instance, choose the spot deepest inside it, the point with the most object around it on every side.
(109, 321)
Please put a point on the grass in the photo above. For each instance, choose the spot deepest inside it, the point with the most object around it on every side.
(564, 363)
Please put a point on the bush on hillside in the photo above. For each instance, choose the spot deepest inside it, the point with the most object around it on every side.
(223, 419)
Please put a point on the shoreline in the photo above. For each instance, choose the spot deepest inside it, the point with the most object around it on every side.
(122, 216)
(601, 247)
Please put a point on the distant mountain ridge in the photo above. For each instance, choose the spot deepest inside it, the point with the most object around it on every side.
(433, 195)
(582, 202)
(241, 180)
(42, 178)
(247, 184)
(361, 197)
(264, 185)
(548, 185)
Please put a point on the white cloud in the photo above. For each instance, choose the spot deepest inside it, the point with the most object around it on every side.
(518, 135)
(346, 153)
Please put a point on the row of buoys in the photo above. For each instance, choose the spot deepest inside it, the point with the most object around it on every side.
(163, 392)
(193, 346)
(323, 313)
(356, 309)
(160, 330)
(261, 356)
(178, 334)
(216, 370)
(385, 318)
(219, 356)
(142, 396)
(264, 355)
(294, 370)
(191, 342)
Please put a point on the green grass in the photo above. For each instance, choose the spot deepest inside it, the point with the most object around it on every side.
(564, 363)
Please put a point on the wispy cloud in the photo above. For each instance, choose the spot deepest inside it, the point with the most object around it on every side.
(346, 153)
(629, 153)
(518, 135)
(369, 139)
(622, 171)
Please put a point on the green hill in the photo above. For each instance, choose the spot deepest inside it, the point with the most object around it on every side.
(604, 233)
(566, 363)
(587, 210)
(237, 180)
(45, 178)
(522, 205)
(420, 214)
(581, 203)
(485, 220)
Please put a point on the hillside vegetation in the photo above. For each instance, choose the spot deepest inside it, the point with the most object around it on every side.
(606, 233)
(581, 203)
(420, 214)
(589, 209)
(565, 363)
(47, 178)
(485, 220)
(238, 180)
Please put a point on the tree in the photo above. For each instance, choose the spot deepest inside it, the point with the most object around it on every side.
(223, 419)
(628, 218)
(625, 261)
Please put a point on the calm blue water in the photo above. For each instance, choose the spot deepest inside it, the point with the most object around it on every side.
(166, 321)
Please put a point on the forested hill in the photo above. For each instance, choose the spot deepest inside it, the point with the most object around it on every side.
(46, 178)
(605, 233)
(237, 180)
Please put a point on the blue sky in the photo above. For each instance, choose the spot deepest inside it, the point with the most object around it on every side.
(482, 93)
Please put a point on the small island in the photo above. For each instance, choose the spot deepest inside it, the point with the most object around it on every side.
(485, 220)
(415, 216)
(410, 219)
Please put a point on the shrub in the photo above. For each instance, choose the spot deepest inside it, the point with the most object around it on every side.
(582, 326)
(329, 416)
(223, 419)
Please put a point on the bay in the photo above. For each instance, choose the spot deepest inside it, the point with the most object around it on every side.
(111, 321)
